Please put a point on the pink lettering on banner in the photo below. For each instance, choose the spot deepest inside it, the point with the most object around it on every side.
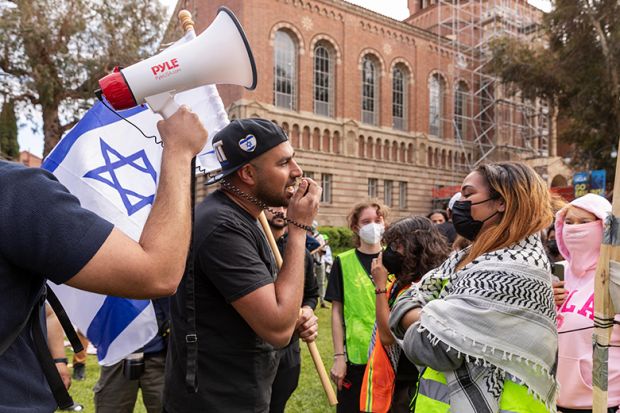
(588, 307)
(565, 308)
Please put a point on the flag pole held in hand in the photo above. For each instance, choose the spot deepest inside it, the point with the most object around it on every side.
(314, 351)
(603, 307)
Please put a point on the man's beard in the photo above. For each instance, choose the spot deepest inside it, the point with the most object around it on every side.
(277, 225)
(268, 195)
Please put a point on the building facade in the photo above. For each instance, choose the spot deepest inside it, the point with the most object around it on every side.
(374, 107)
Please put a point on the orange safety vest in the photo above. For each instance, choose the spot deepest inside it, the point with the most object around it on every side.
(379, 378)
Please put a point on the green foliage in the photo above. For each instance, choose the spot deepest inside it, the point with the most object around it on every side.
(340, 238)
(8, 131)
(308, 398)
(54, 51)
(576, 67)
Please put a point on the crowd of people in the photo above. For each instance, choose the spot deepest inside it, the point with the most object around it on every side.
(486, 306)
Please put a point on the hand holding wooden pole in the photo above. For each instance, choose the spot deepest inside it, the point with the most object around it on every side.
(603, 307)
(314, 351)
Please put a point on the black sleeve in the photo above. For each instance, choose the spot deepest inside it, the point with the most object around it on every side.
(229, 258)
(311, 287)
(43, 228)
(334, 291)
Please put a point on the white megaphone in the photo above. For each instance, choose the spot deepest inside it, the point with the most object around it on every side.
(220, 55)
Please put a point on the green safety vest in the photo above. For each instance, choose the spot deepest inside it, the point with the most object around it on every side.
(359, 307)
(432, 396)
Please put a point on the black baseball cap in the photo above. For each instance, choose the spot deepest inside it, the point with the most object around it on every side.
(243, 140)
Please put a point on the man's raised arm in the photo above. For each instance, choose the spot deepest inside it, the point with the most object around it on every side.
(153, 266)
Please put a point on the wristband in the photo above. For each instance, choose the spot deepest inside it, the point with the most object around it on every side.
(338, 355)
(61, 360)
(380, 290)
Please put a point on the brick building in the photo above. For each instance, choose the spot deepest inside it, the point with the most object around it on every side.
(29, 159)
(373, 106)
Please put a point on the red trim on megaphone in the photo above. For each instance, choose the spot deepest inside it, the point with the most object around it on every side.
(117, 91)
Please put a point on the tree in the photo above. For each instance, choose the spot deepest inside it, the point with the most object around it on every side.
(52, 52)
(8, 131)
(577, 68)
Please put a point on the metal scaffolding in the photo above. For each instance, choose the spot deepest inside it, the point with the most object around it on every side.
(493, 117)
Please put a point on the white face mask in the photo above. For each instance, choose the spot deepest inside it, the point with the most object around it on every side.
(371, 233)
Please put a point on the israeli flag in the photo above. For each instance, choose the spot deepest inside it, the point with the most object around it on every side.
(114, 170)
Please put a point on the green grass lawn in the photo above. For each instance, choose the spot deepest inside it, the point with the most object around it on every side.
(308, 398)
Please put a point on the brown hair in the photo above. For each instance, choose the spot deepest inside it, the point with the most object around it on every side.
(527, 202)
(438, 211)
(354, 215)
(424, 246)
(557, 202)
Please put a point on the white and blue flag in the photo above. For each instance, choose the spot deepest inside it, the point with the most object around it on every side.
(114, 170)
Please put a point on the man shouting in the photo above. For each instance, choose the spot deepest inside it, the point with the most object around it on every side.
(230, 313)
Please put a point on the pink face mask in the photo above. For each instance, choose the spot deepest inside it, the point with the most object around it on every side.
(583, 242)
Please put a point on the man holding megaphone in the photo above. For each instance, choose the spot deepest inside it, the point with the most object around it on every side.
(47, 235)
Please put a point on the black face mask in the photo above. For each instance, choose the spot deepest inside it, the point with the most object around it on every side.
(392, 261)
(464, 224)
(552, 247)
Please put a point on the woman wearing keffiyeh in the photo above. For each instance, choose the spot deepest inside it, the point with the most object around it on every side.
(482, 325)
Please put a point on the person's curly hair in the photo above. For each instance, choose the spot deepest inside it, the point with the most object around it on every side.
(424, 246)
(356, 211)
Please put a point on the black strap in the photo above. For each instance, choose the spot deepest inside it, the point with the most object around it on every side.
(7, 341)
(191, 337)
(61, 395)
(60, 312)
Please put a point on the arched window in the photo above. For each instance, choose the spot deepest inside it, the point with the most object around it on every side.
(370, 91)
(436, 90)
(284, 71)
(336, 142)
(399, 98)
(323, 80)
(361, 147)
(460, 110)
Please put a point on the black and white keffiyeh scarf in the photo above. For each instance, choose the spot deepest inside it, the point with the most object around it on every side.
(498, 313)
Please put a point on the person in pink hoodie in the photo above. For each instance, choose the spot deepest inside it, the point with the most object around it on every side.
(579, 233)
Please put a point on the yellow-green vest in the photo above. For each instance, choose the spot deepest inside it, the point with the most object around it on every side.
(359, 307)
(432, 396)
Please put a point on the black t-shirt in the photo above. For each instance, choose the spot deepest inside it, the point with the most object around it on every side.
(235, 367)
(44, 233)
(334, 291)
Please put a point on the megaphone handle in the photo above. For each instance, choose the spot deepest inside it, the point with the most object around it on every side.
(163, 103)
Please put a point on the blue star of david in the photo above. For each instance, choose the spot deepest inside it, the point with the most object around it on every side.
(111, 167)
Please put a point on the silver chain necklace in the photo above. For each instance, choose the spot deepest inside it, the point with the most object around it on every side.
(263, 206)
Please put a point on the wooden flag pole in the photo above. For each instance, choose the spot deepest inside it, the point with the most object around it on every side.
(603, 307)
(314, 351)
(185, 18)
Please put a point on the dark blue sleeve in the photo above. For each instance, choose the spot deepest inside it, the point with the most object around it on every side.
(312, 243)
(43, 228)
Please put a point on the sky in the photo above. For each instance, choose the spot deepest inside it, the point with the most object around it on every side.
(396, 9)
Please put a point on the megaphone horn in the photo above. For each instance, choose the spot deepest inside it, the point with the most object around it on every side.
(220, 55)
